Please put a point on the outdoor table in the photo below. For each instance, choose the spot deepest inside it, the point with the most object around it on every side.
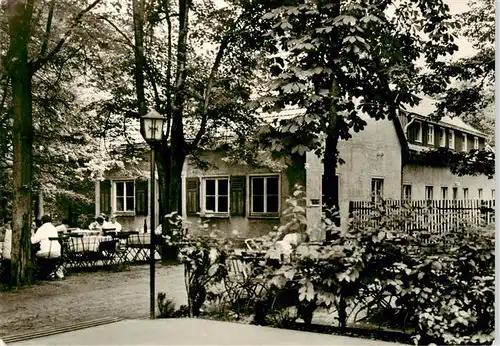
(86, 232)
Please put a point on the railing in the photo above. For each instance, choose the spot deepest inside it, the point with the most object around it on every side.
(433, 216)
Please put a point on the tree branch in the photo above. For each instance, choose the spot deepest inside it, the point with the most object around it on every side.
(38, 63)
(118, 30)
(206, 100)
(48, 29)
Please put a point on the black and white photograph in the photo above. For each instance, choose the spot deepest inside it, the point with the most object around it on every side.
(247, 172)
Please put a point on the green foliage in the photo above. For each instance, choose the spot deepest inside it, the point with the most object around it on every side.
(347, 58)
(204, 257)
(167, 308)
(474, 162)
(442, 290)
(471, 97)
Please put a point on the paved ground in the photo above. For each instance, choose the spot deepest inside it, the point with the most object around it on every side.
(87, 296)
(193, 332)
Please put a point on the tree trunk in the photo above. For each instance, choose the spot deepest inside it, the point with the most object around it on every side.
(19, 14)
(170, 164)
(138, 17)
(330, 188)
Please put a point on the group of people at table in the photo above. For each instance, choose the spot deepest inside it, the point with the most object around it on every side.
(41, 235)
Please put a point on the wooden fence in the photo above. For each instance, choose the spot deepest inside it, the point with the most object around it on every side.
(432, 216)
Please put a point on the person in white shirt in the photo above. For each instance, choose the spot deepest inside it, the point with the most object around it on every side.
(97, 225)
(7, 243)
(63, 227)
(112, 223)
(48, 248)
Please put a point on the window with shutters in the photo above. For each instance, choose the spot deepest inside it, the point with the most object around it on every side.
(430, 135)
(124, 196)
(442, 138)
(418, 131)
(451, 139)
(466, 193)
(444, 192)
(429, 192)
(265, 195)
(216, 195)
(407, 192)
(377, 190)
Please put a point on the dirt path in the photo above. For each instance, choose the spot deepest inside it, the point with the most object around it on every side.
(87, 296)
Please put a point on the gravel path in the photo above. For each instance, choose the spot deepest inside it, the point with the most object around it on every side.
(87, 296)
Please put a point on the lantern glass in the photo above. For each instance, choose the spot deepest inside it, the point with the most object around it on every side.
(152, 124)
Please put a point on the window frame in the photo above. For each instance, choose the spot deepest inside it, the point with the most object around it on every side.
(405, 195)
(465, 192)
(204, 194)
(125, 196)
(430, 134)
(464, 142)
(451, 139)
(480, 193)
(455, 193)
(444, 193)
(265, 213)
(374, 197)
(429, 188)
(476, 142)
(442, 138)
(418, 134)
(492, 193)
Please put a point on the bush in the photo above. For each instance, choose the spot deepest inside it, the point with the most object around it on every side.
(443, 289)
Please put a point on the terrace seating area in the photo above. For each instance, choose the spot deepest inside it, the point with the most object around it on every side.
(87, 250)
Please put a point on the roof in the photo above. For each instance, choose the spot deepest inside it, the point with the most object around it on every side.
(427, 106)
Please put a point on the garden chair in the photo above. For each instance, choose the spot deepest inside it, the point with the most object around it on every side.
(138, 244)
(45, 266)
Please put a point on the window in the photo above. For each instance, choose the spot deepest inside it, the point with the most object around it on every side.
(464, 142)
(442, 138)
(476, 143)
(492, 193)
(430, 135)
(466, 193)
(125, 196)
(407, 192)
(455, 193)
(265, 194)
(444, 192)
(480, 193)
(377, 189)
(216, 196)
(429, 192)
(451, 138)
(418, 131)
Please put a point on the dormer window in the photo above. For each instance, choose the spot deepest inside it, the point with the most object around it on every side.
(476, 143)
(418, 132)
(464, 142)
(442, 137)
(430, 135)
(451, 138)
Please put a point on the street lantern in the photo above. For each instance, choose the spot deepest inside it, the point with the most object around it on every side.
(152, 131)
(152, 127)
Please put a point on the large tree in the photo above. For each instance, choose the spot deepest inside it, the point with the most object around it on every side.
(194, 63)
(339, 59)
(471, 96)
(39, 34)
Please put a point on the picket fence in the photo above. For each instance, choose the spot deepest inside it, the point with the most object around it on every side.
(428, 216)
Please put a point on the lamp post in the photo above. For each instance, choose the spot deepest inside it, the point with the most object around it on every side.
(152, 131)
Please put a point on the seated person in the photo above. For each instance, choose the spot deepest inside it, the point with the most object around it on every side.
(97, 225)
(63, 227)
(112, 224)
(48, 248)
